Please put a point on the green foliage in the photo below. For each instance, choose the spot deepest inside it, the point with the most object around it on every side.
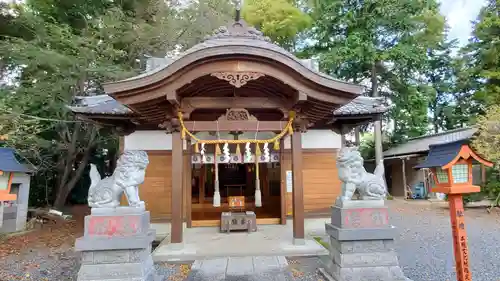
(367, 146)
(352, 35)
(487, 140)
(54, 50)
(484, 53)
(449, 108)
(321, 242)
(492, 186)
(281, 20)
(384, 41)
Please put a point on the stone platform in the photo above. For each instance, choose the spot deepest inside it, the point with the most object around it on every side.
(257, 268)
(362, 243)
(116, 246)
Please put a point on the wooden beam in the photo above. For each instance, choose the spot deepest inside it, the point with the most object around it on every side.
(173, 98)
(227, 126)
(297, 187)
(177, 167)
(192, 103)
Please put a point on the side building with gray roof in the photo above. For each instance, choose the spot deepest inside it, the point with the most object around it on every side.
(400, 162)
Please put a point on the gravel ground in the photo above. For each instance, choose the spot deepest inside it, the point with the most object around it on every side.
(424, 248)
(425, 245)
(59, 264)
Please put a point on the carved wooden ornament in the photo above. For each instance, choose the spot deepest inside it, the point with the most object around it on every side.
(237, 114)
(237, 79)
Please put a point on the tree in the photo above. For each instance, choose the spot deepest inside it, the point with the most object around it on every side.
(486, 143)
(281, 20)
(484, 53)
(382, 43)
(51, 52)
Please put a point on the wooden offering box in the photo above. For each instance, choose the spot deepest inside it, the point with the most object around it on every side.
(238, 220)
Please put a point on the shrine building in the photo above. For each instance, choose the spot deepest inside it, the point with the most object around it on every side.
(235, 115)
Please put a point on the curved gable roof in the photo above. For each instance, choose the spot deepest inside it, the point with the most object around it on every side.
(237, 39)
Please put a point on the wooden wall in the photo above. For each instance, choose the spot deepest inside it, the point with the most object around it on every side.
(321, 183)
(157, 187)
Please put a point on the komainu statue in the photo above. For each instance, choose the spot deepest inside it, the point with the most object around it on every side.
(354, 176)
(128, 175)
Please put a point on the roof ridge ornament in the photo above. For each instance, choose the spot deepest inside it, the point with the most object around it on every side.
(238, 29)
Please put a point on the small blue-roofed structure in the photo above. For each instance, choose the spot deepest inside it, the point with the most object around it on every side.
(9, 163)
(441, 154)
(14, 191)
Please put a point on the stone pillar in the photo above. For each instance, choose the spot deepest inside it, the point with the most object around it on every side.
(362, 242)
(116, 245)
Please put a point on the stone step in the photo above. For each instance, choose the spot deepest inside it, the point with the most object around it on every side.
(259, 268)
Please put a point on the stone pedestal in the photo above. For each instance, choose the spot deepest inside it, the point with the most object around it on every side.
(116, 245)
(362, 243)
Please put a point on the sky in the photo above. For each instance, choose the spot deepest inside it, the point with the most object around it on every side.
(459, 14)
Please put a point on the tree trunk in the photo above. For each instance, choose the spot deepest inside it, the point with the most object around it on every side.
(357, 133)
(68, 163)
(67, 187)
(378, 123)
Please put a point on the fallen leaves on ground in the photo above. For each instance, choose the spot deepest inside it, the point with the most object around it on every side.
(183, 273)
(46, 237)
(297, 273)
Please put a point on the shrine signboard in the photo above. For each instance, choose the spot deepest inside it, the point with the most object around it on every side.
(113, 225)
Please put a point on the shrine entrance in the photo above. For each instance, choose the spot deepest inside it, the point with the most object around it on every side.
(232, 164)
(235, 82)
(235, 179)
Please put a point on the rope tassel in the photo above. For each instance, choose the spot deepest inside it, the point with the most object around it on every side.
(276, 145)
(196, 148)
(257, 150)
(258, 195)
(217, 149)
(238, 152)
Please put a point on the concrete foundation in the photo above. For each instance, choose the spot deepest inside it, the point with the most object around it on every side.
(116, 246)
(362, 244)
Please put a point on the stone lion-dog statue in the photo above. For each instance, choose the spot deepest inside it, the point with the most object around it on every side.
(128, 175)
(354, 176)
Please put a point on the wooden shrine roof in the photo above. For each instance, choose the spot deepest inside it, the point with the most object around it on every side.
(103, 106)
(236, 67)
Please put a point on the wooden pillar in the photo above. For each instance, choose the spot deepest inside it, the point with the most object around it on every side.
(283, 183)
(189, 185)
(177, 167)
(403, 167)
(483, 174)
(343, 132)
(357, 139)
(121, 144)
(201, 183)
(297, 188)
(459, 237)
(342, 140)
